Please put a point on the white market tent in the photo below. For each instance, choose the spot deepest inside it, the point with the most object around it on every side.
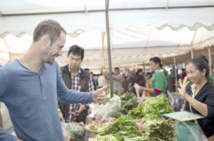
(139, 29)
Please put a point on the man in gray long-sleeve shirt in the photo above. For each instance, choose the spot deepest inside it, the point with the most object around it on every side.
(30, 87)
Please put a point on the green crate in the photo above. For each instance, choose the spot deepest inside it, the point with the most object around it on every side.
(183, 133)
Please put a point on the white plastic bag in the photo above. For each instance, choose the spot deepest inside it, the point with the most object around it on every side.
(136, 86)
(109, 109)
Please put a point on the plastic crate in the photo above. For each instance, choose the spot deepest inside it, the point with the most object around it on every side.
(184, 134)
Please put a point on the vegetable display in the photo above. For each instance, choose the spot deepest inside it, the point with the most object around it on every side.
(147, 115)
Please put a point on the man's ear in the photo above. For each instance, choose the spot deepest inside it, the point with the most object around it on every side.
(204, 71)
(45, 40)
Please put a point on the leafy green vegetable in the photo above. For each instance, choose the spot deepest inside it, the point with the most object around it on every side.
(137, 112)
(74, 130)
(107, 138)
(124, 126)
(158, 129)
(129, 104)
(152, 106)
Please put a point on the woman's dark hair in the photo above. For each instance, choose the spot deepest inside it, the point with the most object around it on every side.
(157, 60)
(201, 63)
(138, 71)
(76, 50)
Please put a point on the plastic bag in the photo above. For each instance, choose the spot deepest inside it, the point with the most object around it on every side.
(73, 131)
(170, 98)
(195, 136)
(110, 109)
(189, 131)
(136, 86)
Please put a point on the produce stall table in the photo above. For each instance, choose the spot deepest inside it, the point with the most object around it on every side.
(90, 136)
(92, 139)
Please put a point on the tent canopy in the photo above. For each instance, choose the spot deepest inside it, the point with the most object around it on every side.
(138, 29)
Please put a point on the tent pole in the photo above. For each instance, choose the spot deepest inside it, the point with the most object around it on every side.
(175, 72)
(102, 10)
(144, 67)
(103, 51)
(109, 46)
(192, 55)
(192, 43)
(210, 59)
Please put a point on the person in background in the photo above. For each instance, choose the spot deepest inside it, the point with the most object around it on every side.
(201, 101)
(130, 76)
(31, 85)
(177, 105)
(148, 81)
(183, 73)
(168, 79)
(158, 81)
(101, 78)
(211, 77)
(117, 80)
(76, 79)
(92, 76)
(138, 79)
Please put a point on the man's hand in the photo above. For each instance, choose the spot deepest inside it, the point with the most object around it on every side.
(81, 109)
(17, 139)
(99, 95)
(61, 117)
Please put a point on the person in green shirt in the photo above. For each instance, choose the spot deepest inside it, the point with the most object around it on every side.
(211, 78)
(158, 82)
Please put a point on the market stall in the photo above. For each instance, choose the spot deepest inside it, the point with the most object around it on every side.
(146, 122)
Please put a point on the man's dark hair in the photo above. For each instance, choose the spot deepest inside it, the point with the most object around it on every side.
(76, 50)
(48, 27)
(116, 68)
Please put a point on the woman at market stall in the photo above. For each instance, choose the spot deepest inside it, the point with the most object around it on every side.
(201, 101)
(158, 81)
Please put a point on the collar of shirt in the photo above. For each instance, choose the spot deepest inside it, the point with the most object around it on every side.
(193, 87)
(72, 74)
(161, 70)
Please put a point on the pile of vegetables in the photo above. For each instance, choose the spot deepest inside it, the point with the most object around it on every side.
(158, 129)
(154, 128)
(128, 102)
(123, 128)
(73, 131)
(154, 106)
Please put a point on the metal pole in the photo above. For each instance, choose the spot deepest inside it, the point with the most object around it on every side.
(210, 59)
(109, 46)
(103, 54)
(175, 72)
(102, 10)
(192, 43)
(144, 67)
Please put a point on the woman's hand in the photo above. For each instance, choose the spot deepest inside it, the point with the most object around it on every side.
(183, 86)
(141, 89)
